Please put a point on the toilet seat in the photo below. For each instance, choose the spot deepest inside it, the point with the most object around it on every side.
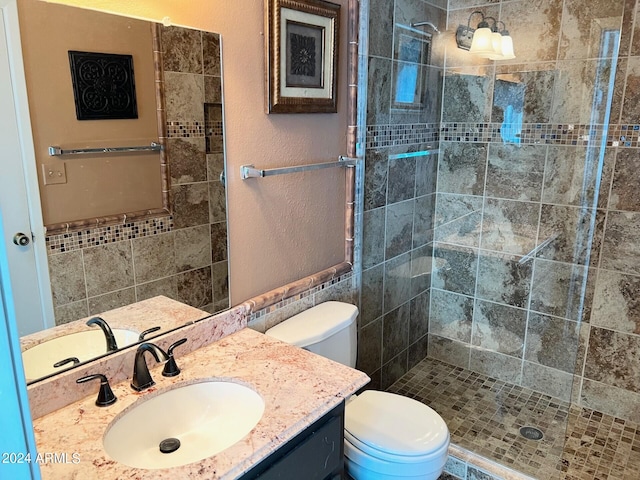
(358, 462)
(393, 427)
(364, 449)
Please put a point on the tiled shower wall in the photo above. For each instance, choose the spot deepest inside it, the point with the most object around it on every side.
(183, 256)
(399, 196)
(572, 308)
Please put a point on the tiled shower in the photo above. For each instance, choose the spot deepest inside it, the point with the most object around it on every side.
(515, 184)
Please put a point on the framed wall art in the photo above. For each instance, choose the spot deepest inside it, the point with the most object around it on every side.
(302, 56)
(103, 85)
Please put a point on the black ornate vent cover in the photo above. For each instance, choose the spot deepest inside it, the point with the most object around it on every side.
(103, 85)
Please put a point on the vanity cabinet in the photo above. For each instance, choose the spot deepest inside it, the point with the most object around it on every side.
(315, 453)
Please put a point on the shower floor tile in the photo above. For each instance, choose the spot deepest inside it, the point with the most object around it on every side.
(485, 415)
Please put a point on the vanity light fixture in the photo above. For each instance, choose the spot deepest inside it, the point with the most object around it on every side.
(486, 40)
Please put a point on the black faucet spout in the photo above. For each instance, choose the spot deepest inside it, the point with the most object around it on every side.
(110, 338)
(141, 379)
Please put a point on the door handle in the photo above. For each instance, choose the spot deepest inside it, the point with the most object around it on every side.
(21, 239)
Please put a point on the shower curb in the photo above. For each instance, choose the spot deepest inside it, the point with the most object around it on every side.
(461, 461)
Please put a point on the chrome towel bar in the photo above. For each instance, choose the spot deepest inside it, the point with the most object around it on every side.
(57, 151)
(249, 171)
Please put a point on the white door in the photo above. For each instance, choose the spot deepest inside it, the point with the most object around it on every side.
(19, 198)
(15, 421)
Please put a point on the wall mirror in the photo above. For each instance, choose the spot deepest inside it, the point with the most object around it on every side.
(177, 250)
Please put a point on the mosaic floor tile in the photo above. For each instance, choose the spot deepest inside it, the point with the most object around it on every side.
(485, 415)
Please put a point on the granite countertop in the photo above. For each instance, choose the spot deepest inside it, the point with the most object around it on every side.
(297, 386)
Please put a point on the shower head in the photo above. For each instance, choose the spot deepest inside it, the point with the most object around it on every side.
(421, 24)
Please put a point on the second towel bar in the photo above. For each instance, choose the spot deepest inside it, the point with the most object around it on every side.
(249, 171)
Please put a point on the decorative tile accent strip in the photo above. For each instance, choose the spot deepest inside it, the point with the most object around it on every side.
(213, 128)
(403, 134)
(623, 135)
(379, 136)
(531, 133)
(92, 237)
(253, 317)
(185, 129)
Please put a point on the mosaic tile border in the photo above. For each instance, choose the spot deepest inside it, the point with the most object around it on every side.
(402, 134)
(255, 316)
(92, 237)
(214, 128)
(185, 129)
(543, 133)
(618, 135)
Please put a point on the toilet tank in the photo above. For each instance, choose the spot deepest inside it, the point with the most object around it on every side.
(328, 329)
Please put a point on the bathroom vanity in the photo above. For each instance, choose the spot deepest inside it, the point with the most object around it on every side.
(300, 431)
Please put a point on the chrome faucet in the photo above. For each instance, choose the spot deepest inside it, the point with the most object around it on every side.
(112, 346)
(141, 379)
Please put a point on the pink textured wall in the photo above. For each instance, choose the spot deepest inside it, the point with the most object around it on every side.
(280, 228)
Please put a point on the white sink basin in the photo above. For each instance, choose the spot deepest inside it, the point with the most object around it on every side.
(205, 418)
(38, 361)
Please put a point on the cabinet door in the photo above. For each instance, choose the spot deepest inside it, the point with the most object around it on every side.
(316, 458)
(315, 454)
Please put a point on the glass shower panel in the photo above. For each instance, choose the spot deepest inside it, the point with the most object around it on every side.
(518, 223)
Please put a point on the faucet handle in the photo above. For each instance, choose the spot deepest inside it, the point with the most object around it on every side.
(147, 332)
(74, 360)
(171, 367)
(106, 396)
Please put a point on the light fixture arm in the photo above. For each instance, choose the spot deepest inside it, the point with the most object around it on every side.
(485, 24)
(477, 12)
(504, 30)
(464, 35)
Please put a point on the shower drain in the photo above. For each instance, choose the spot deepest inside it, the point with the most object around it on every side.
(531, 433)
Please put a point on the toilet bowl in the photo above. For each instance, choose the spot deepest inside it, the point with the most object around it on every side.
(390, 436)
(387, 436)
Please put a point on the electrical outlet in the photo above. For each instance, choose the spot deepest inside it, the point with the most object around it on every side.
(54, 173)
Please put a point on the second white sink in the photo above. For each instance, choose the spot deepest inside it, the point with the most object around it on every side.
(202, 418)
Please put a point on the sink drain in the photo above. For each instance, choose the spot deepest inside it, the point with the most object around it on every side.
(531, 433)
(169, 445)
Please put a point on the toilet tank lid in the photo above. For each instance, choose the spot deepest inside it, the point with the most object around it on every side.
(315, 324)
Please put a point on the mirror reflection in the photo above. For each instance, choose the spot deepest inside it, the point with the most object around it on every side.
(66, 346)
(179, 254)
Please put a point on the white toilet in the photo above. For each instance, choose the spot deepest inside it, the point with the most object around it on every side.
(387, 436)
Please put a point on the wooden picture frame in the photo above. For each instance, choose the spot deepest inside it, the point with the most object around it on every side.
(301, 45)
